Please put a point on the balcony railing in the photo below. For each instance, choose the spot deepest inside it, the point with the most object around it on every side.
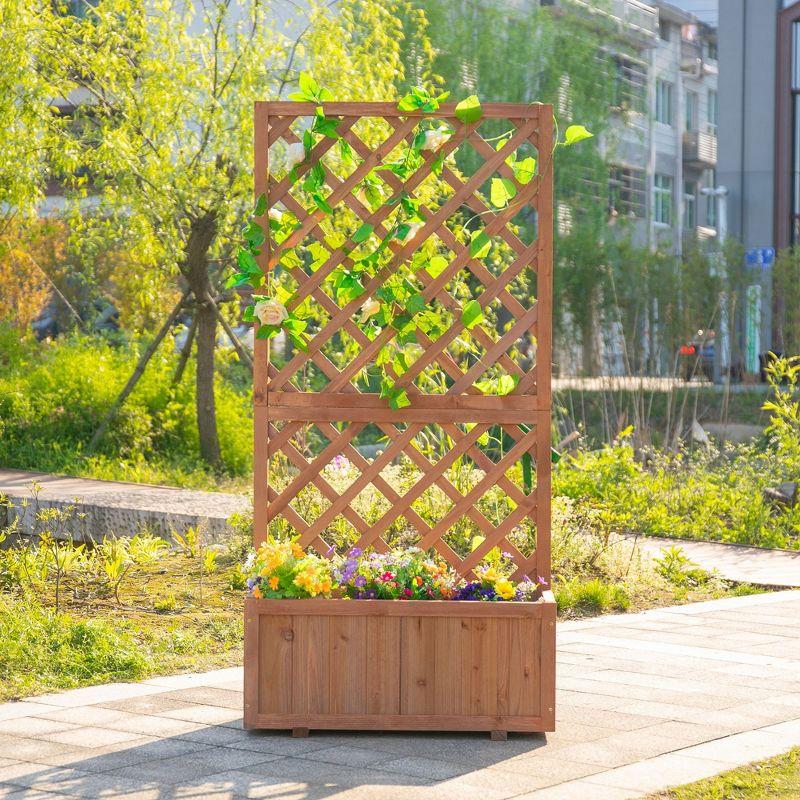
(700, 149)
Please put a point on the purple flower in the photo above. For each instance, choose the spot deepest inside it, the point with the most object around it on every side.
(360, 581)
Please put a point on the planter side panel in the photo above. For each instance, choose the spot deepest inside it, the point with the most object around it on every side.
(377, 669)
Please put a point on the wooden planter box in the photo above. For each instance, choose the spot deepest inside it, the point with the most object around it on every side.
(400, 665)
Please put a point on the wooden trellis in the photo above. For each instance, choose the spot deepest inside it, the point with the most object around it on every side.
(339, 412)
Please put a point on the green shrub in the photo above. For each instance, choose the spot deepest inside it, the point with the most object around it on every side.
(594, 596)
(40, 647)
(54, 395)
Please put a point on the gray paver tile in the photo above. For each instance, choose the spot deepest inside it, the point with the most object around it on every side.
(91, 737)
(145, 750)
(181, 768)
(655, 774)
(241, 785)
(350, 756)
(206, 696)
(580, 790)
(33, 726)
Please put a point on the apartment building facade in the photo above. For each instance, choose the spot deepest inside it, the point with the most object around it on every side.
(662, 145)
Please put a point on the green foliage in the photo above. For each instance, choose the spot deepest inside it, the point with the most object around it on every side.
(591, 597)
(62, 651)
(52, 397)
(678, 568)
(777, 778)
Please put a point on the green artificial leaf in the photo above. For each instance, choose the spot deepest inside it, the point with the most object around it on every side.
(472, 314)
(506, 384)
(363, 233)
(402, 321)
(501, 192)
(254, 234)
(469, 110)
(261, 205)
(347, 286)
(321, 203)
(479, 244)
(415, 303)
(345, 151)
(245, 260)
(436, 266)
(399, 399)
(524, 170)
(576, 133)
(315, 179)
(527, 473)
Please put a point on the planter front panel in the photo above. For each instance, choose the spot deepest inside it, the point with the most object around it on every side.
(388, 664)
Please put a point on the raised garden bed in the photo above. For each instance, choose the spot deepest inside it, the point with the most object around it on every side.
(393, 665)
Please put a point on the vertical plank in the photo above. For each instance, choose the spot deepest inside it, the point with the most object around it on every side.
(546, 651)
(504, 664)
(347, 649)
(544, 345)
(417, 665)
(523, 680)
(251, 664)
(448, 676)
(310, 686)
(275, 649)
(261, 346)
(383, 665)
(482, 666)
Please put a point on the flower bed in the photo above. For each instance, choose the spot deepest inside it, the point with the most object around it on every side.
(281, 569)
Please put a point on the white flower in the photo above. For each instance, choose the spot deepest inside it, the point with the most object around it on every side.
(369, 308)
(435, 138)
(294, 155)
(413, 229)
(270, 312)
(275, 213)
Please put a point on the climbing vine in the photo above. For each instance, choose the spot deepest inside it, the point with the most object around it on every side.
(398, 303)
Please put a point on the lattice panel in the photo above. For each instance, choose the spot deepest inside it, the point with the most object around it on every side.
(314, 407)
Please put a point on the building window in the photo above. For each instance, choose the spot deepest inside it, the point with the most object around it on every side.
(711, 202)
(664, 29)
(712, 111)
(627, 191)
(691, 111)
(689, 204)
(630, 84)
(664, 102)
(662, 199)
(711, 50)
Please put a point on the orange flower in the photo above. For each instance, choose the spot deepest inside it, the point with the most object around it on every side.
(273, 582)
(257, 593)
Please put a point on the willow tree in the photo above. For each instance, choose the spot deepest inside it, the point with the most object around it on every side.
(523, 52)
(161, 134)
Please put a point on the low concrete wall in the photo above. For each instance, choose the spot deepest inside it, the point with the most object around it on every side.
(102, 508)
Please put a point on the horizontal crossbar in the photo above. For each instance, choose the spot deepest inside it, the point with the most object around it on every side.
(354, 407)
(284, 108)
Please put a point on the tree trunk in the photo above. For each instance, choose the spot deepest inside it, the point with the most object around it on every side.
(201, 236)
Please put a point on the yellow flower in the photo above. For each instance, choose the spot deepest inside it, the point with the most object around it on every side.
(297, 551)
(504, 588)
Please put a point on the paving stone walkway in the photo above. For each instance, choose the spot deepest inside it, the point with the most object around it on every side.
(756, 565)
(645, 701)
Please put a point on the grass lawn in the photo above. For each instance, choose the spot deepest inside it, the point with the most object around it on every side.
(775, 779)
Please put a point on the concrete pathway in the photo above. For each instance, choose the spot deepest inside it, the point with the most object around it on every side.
(645, 701)
(735, 562)
(121, 508)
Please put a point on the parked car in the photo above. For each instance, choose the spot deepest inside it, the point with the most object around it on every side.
(697, 356)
